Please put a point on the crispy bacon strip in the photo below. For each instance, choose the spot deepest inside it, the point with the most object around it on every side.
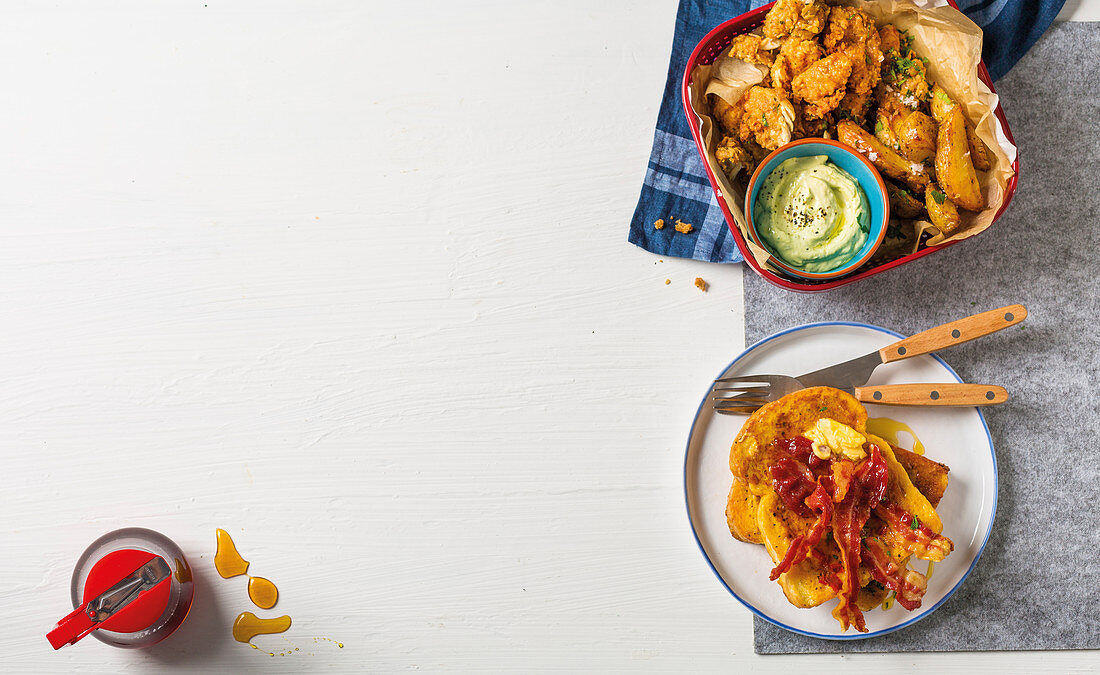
(865, 490)
(799, 489)
(921, 541)
(822, 504)
(794, 483)
(908, 585)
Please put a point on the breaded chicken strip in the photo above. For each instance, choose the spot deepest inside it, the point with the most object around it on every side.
(795, 18)
(823, 84)
(853, 32)
(733, 157)
(728, 116)
(811, 127)
(768, 118)
(750, 48)
(846, 26)
(889, 38)
(794, 57)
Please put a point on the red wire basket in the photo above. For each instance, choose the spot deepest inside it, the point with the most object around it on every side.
(708, 49)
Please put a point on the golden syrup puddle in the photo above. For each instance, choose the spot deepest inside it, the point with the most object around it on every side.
(262, 592)
(248, 626)
(227, 560)
(888, 429)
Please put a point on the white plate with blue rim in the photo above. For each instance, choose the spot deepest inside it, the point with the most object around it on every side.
(957, 437)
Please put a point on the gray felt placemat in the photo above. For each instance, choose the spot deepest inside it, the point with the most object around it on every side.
(1037, 586)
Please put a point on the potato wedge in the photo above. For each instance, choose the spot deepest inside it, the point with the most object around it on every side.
(913, 174)
(954, 169)
(884, 129)
(902, 203)
(942, 211)
(941, 104)
(916, 134)
(979, 151)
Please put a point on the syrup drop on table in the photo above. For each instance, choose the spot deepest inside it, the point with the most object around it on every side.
(888, 429)
(262, 592)
(227, 560)
(248, 626)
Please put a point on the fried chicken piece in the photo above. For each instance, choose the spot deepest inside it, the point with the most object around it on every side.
(889, 38)
(848, 25)
(795, 56)
(811, 127)
(853, 32)
(823, 84)
(733, 157)
(751, 48)
(795, 18)
(728, 116)
(768, 118)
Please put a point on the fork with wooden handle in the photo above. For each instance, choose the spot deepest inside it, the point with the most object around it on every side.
(746, 392)
(753, 391)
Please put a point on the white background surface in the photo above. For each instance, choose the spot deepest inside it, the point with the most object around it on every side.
(352, 283)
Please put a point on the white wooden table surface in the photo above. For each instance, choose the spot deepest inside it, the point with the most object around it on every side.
(351, 282)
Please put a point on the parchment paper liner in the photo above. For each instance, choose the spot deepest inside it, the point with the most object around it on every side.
(952, 44)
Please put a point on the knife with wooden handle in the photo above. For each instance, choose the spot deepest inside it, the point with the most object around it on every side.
(856, 372)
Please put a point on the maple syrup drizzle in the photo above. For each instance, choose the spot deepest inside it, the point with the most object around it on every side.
(248, 626)
(262, 592)
(227, 560)
(888, 429)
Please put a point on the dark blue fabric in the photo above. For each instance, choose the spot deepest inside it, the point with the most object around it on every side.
(676, 185)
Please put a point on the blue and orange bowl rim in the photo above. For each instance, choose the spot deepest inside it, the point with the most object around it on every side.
(849, 266)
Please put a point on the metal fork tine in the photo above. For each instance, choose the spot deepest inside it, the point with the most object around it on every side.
(739, 400)
(739, 410)
(743, 398)
(745, 378)
(744, 387)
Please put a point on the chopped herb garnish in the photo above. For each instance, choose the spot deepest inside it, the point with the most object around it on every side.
(938, 196)
(906, 41)
(878, 126)
(914, 523)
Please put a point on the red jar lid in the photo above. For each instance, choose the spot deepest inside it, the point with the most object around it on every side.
(143, 610)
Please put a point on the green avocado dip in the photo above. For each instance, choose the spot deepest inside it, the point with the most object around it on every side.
(812, 214)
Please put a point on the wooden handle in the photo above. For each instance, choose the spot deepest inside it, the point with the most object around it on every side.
(933, 394)
(954, 333)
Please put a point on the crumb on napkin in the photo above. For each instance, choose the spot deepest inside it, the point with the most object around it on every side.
(682, 227)
(700, 284)
(659, 224)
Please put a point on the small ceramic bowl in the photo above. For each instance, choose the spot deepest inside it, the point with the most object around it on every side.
(858, 167)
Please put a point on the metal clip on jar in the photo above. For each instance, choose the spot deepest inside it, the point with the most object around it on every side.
(131, 588)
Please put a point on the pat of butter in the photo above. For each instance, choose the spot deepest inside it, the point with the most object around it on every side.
(831, 437)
